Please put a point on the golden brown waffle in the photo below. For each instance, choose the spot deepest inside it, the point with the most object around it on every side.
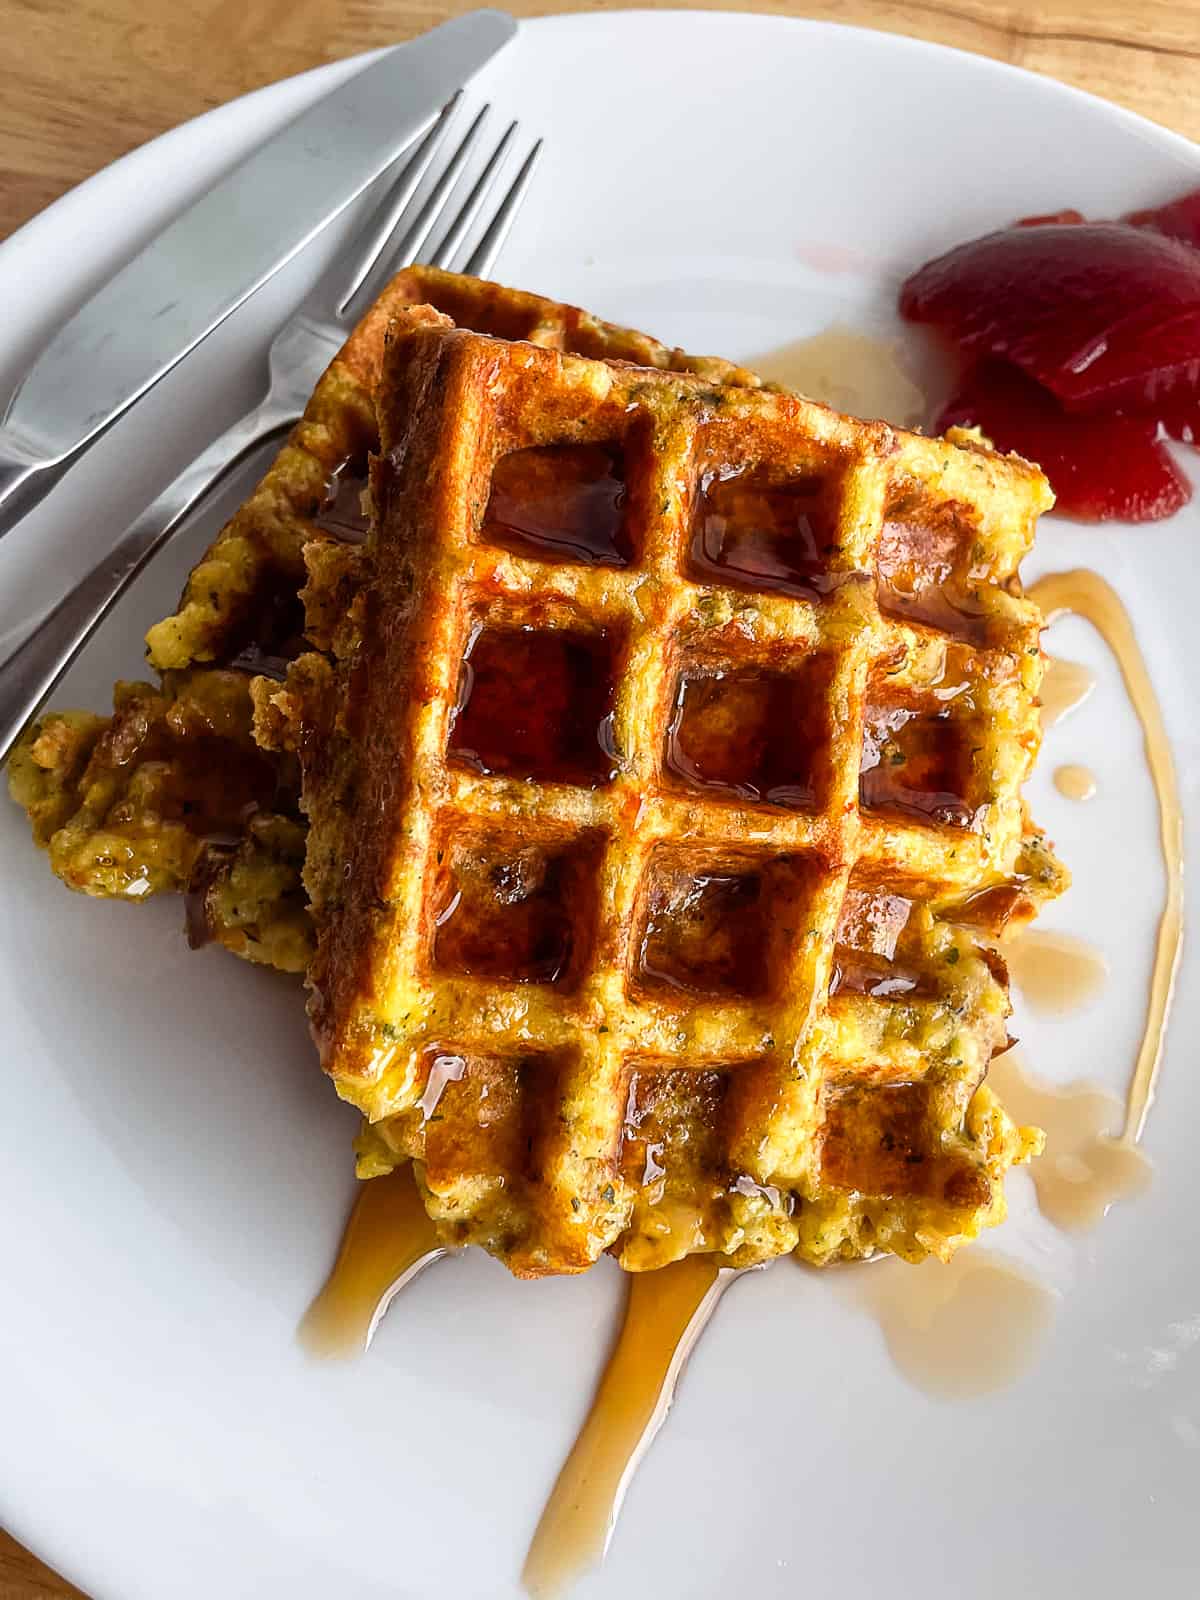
(137, 803)
(669, 733)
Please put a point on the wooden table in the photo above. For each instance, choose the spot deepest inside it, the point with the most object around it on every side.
(87, 80)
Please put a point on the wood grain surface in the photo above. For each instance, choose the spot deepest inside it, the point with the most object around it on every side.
(87, 80)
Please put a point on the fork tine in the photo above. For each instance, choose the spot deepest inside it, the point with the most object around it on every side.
(405, 250)
(457, 231)
(479, 263)
(399, 196)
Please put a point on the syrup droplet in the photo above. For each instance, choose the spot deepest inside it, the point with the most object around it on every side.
(341, 513)
(1088, 595)
(388, 1240)
(852, 371)
(1056, 973)
(665, 1314)
(954, 1329)
(1066, 685)
(1075, 783)
(1083, 1168)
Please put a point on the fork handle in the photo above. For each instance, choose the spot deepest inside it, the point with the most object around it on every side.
(39, 661)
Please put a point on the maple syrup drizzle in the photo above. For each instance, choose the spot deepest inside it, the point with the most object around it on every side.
(754, 532)
(665, 1314)
(1083, 1168)
(1089, 596)
(1056, 973)
(1066, 685)
(503, 913)
(756, 735)
(535, 704)
(849, 370)
(914, 764)
(1074, 782)
(388, 1240)
(705, 933)
(561, 502)
(954, 1329)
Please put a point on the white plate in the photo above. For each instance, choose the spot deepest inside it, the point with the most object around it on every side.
(174, 1171)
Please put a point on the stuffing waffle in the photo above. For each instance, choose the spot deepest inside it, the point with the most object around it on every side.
(170, 793)
(662, 761)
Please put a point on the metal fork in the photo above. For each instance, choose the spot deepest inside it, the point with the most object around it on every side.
(395, 236)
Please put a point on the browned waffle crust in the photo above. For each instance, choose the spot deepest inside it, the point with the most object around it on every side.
(169, 793)
(670, 734)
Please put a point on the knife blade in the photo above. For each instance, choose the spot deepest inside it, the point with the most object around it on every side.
(212, 258)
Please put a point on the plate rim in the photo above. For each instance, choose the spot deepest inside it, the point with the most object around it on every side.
(27, 1531)
(333, 72)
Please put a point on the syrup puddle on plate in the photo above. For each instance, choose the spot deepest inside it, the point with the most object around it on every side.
(852, 371)
(1084, 1168)
(1065, 687)
(954, 1329)
(388, 1240)
(1087, 595)
(1057, 974)
(1075, 782)
(666, 1312)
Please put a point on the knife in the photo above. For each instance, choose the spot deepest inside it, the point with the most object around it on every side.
(212, 258)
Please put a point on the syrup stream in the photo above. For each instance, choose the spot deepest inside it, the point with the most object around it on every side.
(665, 1314)
(1087, 595)
(388, 1240)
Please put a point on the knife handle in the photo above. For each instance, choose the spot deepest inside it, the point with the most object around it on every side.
(39, 661)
